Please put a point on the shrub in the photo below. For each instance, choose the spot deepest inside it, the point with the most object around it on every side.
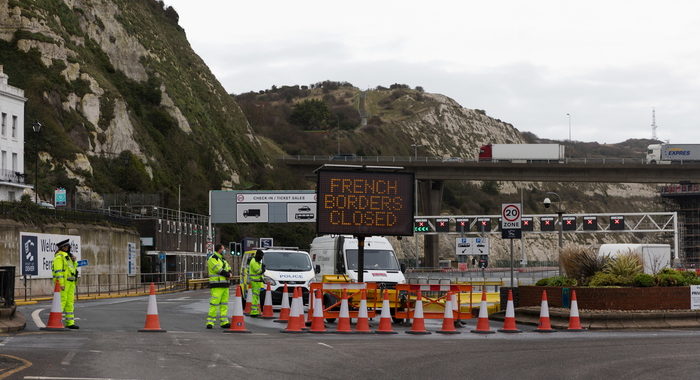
(644, 280)
(606, 279)
(672, 278)
(581, 263)
(557, 281)
(625, 265)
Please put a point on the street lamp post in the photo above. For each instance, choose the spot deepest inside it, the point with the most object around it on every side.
(560, 213)
(36, 127)
(568, 116)
(415, 150)
(337, 118)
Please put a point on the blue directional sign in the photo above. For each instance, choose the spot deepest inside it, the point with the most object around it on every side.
(266, 242)
(60, 197)
(82, 263)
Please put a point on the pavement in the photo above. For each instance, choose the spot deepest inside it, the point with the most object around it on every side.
(11, 320)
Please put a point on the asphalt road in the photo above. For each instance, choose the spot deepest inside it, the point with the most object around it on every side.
(109, 346)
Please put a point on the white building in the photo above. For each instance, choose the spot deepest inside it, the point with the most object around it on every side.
(11, 140)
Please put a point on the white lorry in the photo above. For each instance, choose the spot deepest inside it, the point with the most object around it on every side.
(669, 153)
(337, 255)
(522, 153)
(654, 256)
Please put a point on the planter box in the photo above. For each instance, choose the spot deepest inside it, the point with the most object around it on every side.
(654, 298)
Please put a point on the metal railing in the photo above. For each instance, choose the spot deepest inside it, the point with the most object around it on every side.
(460, 160)
(11, 176)
(522, 276)
(111, 284)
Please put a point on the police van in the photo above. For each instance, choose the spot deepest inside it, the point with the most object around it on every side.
(282, 265)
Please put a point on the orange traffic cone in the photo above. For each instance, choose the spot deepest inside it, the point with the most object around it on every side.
(237, 319)
(296, 315)
(545, 325)
(317, 325)
(509, 323)
(56, 316)
(248, 301)
(574, 320)
(152, 321)
(343, 326)
(312, 304)
(482, 323)
(267, 307)
(362, 326)
(418, 326)
(284, 311)
(448, 321)
(385, 319)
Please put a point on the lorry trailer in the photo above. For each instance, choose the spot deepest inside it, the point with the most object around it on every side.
(521, 153)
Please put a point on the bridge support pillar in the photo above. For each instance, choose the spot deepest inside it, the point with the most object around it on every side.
(429, 203)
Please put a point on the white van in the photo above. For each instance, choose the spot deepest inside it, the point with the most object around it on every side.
(337, 255)
(655, 257)
(282, 266)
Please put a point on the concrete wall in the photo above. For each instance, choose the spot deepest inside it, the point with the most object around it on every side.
(105, 248)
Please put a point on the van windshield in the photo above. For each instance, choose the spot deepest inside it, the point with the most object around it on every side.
(287, 261)
(382, 259)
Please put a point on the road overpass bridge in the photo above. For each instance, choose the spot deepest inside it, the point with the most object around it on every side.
(431, 172)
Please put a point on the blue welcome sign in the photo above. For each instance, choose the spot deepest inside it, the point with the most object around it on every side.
(60, 197)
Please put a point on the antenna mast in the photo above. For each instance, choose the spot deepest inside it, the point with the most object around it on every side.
(653, 124)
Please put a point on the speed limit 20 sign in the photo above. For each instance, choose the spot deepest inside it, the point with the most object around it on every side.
(511, 215)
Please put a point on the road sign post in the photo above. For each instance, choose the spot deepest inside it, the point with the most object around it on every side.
(511, 228)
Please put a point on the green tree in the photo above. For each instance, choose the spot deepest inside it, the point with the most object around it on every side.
(311, 114)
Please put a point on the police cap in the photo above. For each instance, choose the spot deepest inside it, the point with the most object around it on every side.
(62, 243)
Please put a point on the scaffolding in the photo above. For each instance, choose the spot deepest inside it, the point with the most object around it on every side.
(685, 199)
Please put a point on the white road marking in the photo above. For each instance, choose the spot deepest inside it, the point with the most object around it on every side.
(68, 358)
(4, 342)
(71, 378)
(36, 319)
(96, 351)
(326, 345)
(213, 362)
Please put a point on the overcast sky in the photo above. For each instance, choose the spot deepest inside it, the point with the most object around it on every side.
(606, 63)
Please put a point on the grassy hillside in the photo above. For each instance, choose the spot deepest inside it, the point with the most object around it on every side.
(132, 53)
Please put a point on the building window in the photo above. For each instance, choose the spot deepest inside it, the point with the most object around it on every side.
(4, 161)
(14, 162)
(4, 124)
(160, 225)
(11, 196)
(14, 126)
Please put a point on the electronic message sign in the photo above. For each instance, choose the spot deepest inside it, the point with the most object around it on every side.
(569, 223)
(590, 223)
(364, 203)
(442, 225)
(462, 224)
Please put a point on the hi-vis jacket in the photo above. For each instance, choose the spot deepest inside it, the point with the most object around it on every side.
(255, 271)
(219, 269)
(63, 268)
